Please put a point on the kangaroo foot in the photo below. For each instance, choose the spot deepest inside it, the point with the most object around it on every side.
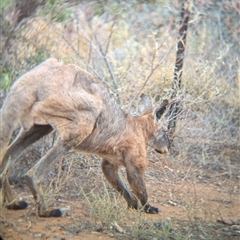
(150, 209)
(58, 212)
(17, 205)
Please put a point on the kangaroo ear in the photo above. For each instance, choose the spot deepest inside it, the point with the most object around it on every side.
(161, 109)
(146, 105)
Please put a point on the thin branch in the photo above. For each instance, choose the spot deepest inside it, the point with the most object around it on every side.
(103, 54)
(100, 52)
(75, 51)
(149, 75)
(81, 58)
(109, 38)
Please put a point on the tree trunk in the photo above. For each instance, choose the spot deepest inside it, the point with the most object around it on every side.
(174, 108)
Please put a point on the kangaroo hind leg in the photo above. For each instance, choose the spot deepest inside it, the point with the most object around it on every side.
(23, 140)
(36, 174)
(70, 134)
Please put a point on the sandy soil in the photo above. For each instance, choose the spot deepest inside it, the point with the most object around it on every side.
(184, 201)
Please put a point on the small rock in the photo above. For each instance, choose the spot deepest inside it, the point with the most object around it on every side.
(172, 203)
(168, 219)
(158, 225)
(37, 235)
(65, 211)
(68, 234)
(235, 227)
(161, 224)
(100, 229)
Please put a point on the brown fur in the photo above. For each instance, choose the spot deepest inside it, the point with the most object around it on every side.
(70, 100)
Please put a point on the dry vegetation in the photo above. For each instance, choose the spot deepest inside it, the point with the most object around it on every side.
(130, 45)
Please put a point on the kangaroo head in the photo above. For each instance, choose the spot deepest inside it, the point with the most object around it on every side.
(159, 140)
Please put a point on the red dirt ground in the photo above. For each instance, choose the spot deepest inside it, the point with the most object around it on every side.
(184, 201)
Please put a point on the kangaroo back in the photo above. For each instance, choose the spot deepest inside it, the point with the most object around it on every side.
(87, 118)
(19, 101)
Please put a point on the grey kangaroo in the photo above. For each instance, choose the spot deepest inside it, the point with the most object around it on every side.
(65, 98)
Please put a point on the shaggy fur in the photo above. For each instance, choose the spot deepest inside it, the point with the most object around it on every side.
(87, 119)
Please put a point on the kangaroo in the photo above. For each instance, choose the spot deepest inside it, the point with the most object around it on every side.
(65, 98)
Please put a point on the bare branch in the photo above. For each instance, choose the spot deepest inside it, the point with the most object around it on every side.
(103, 55)
(100, 52)
(153, 69)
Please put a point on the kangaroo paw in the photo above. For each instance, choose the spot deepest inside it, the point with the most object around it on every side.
(150, 209)
(18, 205)
(58, 212)
(55, 213)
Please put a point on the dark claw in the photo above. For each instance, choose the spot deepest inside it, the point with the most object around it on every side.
(18, 206)
(56, 213)
(150, 209)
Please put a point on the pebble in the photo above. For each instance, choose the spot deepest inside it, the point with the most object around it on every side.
(235, 227)
(100, 229)
(37, 235)
(172, 203)
(68, 234)
(158, 225)
(65, 211)
(168, 219)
